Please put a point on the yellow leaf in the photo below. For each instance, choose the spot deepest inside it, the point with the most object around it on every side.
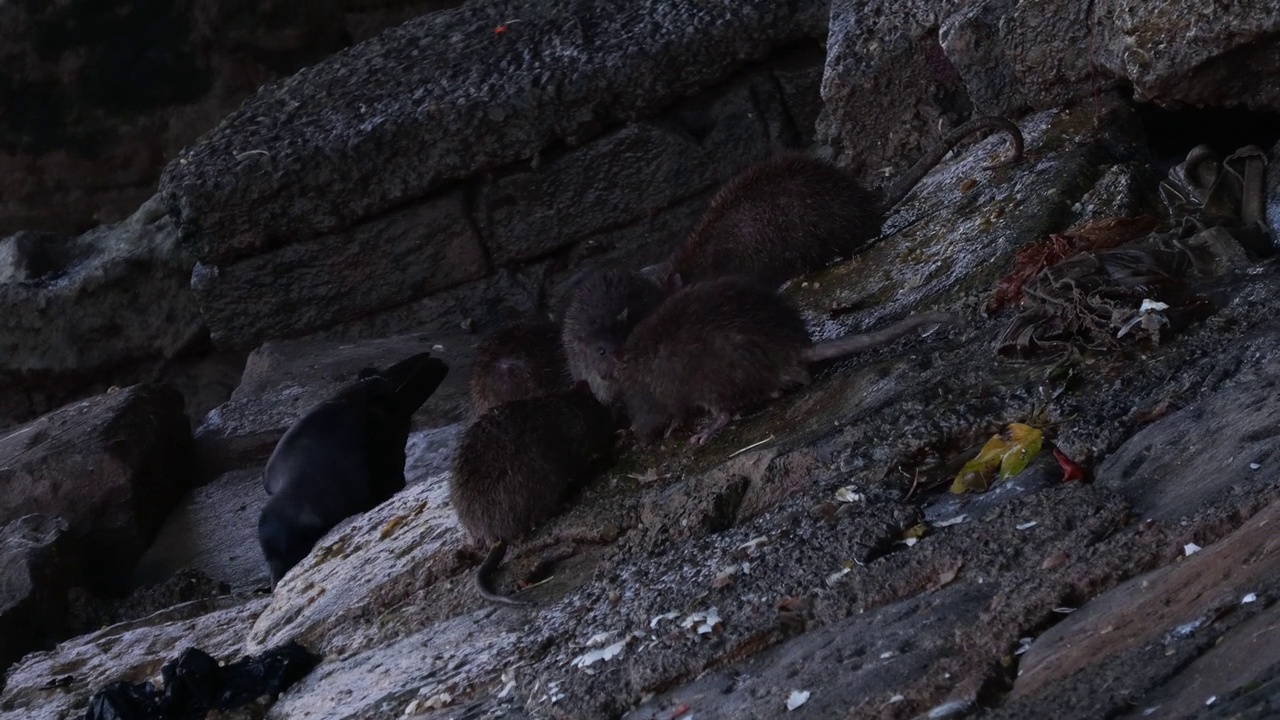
(1022, 445)
(977, 474)
(915, 531)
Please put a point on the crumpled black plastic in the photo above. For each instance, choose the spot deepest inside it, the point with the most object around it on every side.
(194, 684)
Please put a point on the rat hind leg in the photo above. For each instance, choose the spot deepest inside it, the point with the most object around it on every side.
(719, 419)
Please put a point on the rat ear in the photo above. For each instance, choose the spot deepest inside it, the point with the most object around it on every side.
(672, 283)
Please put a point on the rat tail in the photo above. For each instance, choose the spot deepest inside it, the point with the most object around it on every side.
(896, 192)
(850, 344)
(491, 562)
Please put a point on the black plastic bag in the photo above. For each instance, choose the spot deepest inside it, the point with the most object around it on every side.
(194, 684)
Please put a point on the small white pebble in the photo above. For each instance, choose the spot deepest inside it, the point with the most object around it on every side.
(887, 654)
(1026, 525)
(1251, 597)
(1212, 699)
(910, 542)
(1191, 549)
(796, 699)
(1150, 711)
(1254, 466)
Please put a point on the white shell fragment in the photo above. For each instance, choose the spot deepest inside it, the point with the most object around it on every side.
(1191, 548)
(704, 621)
(834, 577)
(600, 655)
(848, 494)
(1251, 597)
(657, 620)
(1026, 525)
(796, 699)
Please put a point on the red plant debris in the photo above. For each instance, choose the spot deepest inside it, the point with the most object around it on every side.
(1086, 236)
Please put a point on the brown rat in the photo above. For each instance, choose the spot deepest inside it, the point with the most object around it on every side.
(725, 344)
(603, 308)
(794, 214)
(516, 462)
(521, 360)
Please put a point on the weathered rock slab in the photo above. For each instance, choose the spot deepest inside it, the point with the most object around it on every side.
(379, 264)
(332, 600)
(1177, 465)
(327, 147)
(57, 684)
(1204, 66)
(111, 466)
(428, 674)
(1221, 599)
(38, 566)
(213, 529)
(76, 307)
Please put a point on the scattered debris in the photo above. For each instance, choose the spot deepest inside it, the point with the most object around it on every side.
(1006, 454)
(796, 699)
(752, 446)
(600, 654)
(834, 577)
(438, 701)
(848, 494)
(195, 683)
(1071, 470)
(657, 620)
(1087, 236)
(705, 621)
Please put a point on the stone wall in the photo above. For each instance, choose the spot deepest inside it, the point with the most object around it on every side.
(452, 147)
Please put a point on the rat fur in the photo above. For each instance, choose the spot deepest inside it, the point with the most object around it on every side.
(726, 344)
(515, 464)
(794, 214)
(603, 308)
(521, 360)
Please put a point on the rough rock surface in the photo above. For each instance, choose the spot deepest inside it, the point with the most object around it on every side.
(728, 582)
(112, 467)
(1204, 66)
(325, 148)
(65, 301)
(896, 71)
(97, 97)
(213, 529)
(283, 380)
(627, 193)
(57, 685)
(38, 566)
